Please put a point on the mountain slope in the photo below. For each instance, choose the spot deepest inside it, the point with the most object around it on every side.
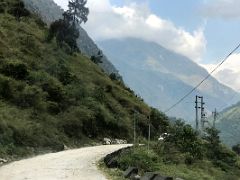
(49, 11)
(228, 122)
(162, 77)
(49, 98)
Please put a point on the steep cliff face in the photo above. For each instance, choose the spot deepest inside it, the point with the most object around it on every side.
(50, 11)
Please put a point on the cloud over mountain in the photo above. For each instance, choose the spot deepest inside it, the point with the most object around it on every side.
(108, 21)
(229, 72)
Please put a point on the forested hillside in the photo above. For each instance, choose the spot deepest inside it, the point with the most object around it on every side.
(49, 11)
(50, 97)
(228, 122)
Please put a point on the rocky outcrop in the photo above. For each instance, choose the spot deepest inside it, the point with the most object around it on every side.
(108, 141)
(3, 161)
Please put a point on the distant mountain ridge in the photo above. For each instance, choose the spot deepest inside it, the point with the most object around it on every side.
(50, 11)
(162, 77)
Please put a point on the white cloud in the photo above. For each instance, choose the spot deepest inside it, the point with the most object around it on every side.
(137, 21)
(226, 9)
(62, 3)
(229, 72)
(134, 20)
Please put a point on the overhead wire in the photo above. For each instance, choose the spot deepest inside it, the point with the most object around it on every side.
(204, 79)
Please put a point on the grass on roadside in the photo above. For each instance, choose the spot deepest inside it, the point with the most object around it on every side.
(111, 174)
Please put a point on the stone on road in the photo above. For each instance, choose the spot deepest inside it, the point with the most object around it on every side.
(79, 164)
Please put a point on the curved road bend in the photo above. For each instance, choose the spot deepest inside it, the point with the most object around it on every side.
(79, 164)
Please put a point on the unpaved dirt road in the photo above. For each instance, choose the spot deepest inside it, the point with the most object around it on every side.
(79, 164)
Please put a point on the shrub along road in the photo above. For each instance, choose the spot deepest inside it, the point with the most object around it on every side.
(67, 165)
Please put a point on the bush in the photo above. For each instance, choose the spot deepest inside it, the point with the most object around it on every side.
(97, 58)
(227, 156)
(3, 6)
(189, 159)
(75, 121)
(64, 33)
(236, 149)
(18, 10)
(54, 89)
(53, 108)
(109, 88)
(40, 22)
(99, 94)
(113, 76)
(73, 128)
(140, 158)
(76, 93)
(15, 69)
(6, 90)
(22, 137)
(216, 152)
(64, 75)
(171, 154)
(78, 122)
(5, 133)
(186, 139)
(159, 121)
(37, 77)
(31, 96)
(29, 42)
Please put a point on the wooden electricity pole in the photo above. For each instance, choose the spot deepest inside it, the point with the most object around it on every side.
(215, 114)
(196, 107)
(202, 113)
(149, 132)
(134, 128)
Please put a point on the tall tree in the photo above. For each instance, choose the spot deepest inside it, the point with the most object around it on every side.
(18, 10)
(65, 30)
(77, 11)
(97, 58)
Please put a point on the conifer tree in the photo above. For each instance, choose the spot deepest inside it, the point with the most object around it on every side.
(77, 11)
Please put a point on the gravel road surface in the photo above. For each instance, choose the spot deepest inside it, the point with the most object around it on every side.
(79, 164)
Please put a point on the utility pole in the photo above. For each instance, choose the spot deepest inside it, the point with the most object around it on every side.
(134, 128)
(215, 114)
(149, 132)
(202, 113)
(196, 107)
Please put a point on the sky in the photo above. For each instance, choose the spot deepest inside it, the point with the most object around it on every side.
(203, 30)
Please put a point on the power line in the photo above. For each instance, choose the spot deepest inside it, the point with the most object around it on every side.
(199, 84)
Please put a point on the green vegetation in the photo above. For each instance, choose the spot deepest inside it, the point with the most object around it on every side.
(236, 149)
(65, 30)
(113, 174)
(184, 154)
(97, 58)
(18, 10)
(228, 122)
(77, 11)
(49, 97)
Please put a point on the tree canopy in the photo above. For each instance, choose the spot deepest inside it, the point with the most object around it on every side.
(65, 30)
(77, 12)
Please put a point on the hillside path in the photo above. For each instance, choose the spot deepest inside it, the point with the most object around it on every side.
(79, 164)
